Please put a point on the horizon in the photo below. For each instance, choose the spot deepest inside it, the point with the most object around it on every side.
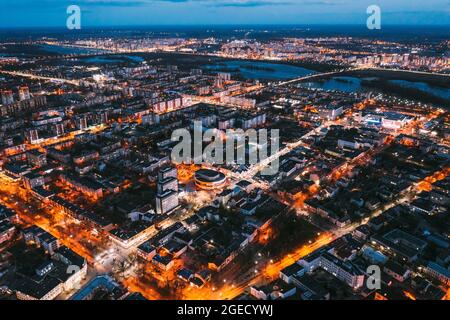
(230, 25)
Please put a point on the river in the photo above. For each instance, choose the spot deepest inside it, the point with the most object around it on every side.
(257, 70)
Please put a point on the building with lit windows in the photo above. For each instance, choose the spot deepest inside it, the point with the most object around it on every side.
(209, 179)
(166, 202)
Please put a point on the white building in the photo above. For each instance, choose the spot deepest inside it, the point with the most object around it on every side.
(166, 202)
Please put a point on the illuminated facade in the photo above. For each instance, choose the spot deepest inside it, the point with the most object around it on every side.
(209, 179)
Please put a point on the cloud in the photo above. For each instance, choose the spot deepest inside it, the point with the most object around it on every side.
(111, 3)
(52, 4)
(321, 3)
(248, 4)
(141, 3)
(255, 3)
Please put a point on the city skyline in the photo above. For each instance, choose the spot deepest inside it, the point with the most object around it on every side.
(52, 13)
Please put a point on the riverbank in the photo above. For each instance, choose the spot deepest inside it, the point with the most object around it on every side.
(435, 79)
(389, 87)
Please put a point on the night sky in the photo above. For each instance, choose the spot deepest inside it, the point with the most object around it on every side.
(44, 13)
